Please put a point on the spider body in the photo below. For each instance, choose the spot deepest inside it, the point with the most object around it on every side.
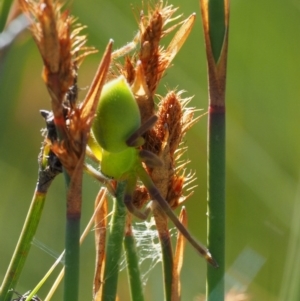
(117, 134)
(119, 165)
(117, 116)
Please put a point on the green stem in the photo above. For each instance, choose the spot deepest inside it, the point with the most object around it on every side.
(23, 246)
(216, 202)
(161, 222)
(167, 259)
(72, 244)
(136, 288)
(114, 245)
(216, 10)
(71, 283)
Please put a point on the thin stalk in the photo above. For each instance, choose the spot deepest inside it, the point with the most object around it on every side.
(216, 202)
(216, 9)
(44, 279)
(114, 245)
(72, 236)
(100, 221)
(71, 283)
(167, 258)
(178, 258)
(23, 246)
(133, 268)
(215, 18)
(161, 222)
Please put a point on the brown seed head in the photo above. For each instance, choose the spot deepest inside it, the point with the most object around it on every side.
(145, 68)
(61, 48)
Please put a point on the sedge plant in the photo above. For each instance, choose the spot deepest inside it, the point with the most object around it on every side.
(138, 147)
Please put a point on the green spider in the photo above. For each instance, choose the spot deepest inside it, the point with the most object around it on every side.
(116, 134)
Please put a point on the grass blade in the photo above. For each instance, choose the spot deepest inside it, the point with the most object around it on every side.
(23, 246)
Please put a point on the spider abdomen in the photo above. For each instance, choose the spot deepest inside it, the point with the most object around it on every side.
(118, 116)
(116, 165)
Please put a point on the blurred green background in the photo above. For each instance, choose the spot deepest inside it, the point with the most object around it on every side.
(263, 149)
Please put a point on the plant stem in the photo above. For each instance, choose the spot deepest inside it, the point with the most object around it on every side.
(71, 283)
(136, 288)
(72, 245)
(167, 258)
(216, 10)
(114, 245)
(215, 19)
(216, 202)
(161, 222)
(23, 246)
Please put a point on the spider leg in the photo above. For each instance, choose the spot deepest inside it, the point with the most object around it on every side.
(155, 194)
(135, 139)
(100, 177)
(127, 48)
(150, 158)
(130, 187)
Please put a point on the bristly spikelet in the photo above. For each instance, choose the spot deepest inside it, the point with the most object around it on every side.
(61, 47)
(145, 68)
(51, 31)
(165, 139)
(154, 58)
(151, 31)
(174, 119)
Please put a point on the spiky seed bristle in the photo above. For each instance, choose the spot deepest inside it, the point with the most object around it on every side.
(149, 53)
(129, 71)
